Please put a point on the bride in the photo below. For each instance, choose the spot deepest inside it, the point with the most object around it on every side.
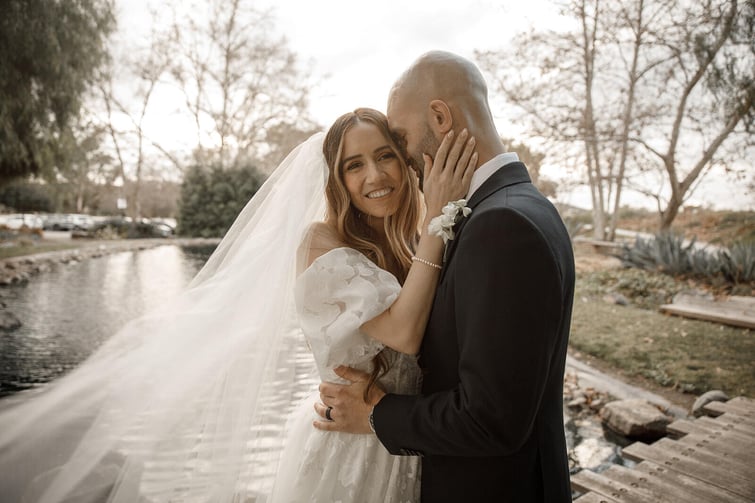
(192, 402)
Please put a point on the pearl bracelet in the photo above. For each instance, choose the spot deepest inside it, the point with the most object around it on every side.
(426, 262)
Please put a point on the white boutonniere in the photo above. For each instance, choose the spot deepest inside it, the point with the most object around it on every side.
(443, 224)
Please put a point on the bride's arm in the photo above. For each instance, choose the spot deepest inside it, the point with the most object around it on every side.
(446, 178)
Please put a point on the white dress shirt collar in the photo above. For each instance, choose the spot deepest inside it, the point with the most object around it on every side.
(486, 170)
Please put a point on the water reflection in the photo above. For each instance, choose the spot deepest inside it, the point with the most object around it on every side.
(68, 312)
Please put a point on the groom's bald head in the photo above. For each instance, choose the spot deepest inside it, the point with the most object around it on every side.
(440, 91)
(444, 76)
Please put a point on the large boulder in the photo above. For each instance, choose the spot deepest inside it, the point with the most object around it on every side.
(635, 418)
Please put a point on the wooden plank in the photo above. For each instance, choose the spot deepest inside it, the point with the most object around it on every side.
(692, 467)
(682, 427)
(664, 489)
(747, 303)
(733, 465)
(587, 480)
(704, 491)
(724, 446)
(736, 408)
(743, 401)
(592, 497)
(734, 317)
(728, 422)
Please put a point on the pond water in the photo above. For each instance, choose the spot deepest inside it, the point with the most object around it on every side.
(68, 312)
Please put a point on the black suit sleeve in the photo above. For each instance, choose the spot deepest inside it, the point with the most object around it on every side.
(508, 303)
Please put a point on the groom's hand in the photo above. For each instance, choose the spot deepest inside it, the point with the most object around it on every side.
(349, 412)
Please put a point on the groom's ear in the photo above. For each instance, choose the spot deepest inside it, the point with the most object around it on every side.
(441, 120)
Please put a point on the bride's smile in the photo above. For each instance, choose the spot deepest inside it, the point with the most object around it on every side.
(371, 171)
(379, 194)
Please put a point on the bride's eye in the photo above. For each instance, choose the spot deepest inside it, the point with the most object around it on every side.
(386, 156)
(352, 166)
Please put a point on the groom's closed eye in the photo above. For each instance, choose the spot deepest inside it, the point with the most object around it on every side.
(399, 138)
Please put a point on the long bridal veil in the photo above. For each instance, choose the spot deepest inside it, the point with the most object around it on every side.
(187, 403)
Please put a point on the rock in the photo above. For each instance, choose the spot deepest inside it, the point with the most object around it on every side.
(577, 403)
(635, 418)
(704, 399)
(616, 298)
(8, 321)
(596, 404)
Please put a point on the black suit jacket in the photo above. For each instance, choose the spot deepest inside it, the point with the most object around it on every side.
(489, 421)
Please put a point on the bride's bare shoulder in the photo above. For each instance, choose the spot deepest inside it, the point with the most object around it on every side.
(319, 239)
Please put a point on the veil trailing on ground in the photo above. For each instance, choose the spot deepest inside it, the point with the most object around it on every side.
(187, 403)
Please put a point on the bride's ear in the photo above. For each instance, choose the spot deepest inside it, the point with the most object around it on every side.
(440, 119)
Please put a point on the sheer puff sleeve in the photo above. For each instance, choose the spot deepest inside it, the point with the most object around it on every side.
(340, 291)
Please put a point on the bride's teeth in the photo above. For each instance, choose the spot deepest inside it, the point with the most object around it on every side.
(379, 193)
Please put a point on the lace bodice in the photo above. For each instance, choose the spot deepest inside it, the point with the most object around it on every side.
(340, 291)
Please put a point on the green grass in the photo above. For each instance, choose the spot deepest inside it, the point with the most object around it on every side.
(689, 355)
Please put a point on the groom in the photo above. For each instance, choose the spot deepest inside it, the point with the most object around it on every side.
(489, 421)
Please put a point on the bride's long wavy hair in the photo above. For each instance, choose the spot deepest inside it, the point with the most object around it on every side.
(401, 228)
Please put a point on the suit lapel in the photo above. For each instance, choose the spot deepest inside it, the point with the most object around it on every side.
(508, 175)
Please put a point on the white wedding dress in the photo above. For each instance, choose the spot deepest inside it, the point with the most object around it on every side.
(340, 291)
(192, 403)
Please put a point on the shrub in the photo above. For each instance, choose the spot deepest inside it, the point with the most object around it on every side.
(26, 197)
(212, 198)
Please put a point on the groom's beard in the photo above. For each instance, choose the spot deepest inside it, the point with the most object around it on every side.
(427, 145)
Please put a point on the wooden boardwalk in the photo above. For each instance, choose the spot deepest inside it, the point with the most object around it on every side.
(734, 310)
(708, 460)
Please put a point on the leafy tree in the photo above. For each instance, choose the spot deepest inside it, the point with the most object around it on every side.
(211, 199)
(48, 54)
(80, 164)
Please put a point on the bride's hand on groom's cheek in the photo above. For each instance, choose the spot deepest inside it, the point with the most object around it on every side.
(348, 411)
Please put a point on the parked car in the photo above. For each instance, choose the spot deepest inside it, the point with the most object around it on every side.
(68, 222)
(17, 220)
(82, 222)
(125, 227)
(59, 222)
(162, 229)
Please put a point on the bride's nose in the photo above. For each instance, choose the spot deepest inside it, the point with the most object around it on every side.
(375, 172)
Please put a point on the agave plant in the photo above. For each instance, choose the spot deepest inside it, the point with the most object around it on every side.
(672, 254)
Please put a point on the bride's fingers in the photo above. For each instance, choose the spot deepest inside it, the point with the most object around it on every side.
(452, 160)
(428, 168)
(466, 179)
(440, 156)
(463, 162)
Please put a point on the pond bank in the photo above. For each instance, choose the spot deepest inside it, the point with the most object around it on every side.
(19, 269)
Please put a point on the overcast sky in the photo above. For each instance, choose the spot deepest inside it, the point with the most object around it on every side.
(357, 49)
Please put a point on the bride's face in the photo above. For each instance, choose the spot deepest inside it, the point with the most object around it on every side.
(371, 171)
